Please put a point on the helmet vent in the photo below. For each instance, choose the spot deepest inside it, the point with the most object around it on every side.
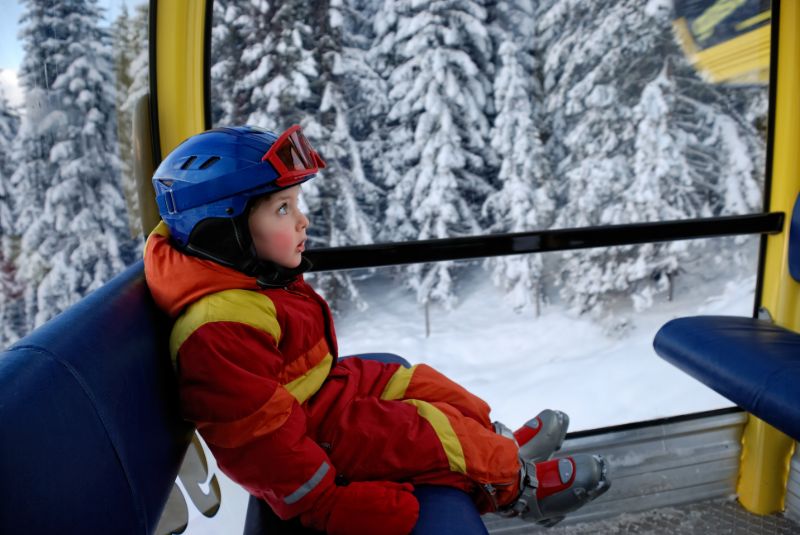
(208, 163)
(189, 161)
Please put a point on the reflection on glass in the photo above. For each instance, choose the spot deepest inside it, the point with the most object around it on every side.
(599, 367)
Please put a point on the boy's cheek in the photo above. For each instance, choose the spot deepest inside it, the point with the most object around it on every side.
(276, 243)
(284, 240)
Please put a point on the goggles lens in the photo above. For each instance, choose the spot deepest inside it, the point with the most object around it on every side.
(292, 156)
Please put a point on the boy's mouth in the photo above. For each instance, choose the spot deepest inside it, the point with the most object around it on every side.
(301, 246)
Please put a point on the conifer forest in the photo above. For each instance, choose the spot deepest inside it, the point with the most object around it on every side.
(436, 119)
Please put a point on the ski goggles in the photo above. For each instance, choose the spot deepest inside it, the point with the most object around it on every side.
(292, 157)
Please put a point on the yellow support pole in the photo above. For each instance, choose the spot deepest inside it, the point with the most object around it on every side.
(764, 471)
(766, 452)
(180, 100)
(179, 40)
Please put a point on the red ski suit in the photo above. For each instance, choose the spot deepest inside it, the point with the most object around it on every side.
(259, 376)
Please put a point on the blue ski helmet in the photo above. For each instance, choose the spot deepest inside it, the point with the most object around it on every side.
(204, 186)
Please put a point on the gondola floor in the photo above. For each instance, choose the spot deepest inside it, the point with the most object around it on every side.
(714, 517)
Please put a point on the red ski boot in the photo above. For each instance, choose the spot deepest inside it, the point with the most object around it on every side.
(540, 437)
(551, 489)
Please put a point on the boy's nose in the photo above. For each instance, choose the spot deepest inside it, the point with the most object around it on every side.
(303, 221)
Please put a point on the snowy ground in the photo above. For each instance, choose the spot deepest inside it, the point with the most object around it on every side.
(520, 364)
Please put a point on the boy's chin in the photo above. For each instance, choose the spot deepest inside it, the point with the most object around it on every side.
(292, 264)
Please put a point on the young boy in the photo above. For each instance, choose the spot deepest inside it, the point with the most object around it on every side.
(339, 443)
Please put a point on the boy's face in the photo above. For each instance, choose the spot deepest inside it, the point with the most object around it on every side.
(278, 228)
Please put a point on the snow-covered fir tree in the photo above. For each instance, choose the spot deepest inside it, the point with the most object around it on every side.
(284, 64)
(594, 74)
(33, 170)
(438, 126)
(137, 75)
(343, 204)
(524, 201)
(76, 236)
(278, 64)
(10, 289)
(388, 143)
(621, 98)
(593, 93)
(237, 29)
(37, 73)
(277, 67)
(138, 69)
(128, 46)
(364, 91)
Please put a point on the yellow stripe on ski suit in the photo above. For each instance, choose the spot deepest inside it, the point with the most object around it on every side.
(444, 431)
(398, 384)
(307, 384)
(240, 306)
(258, 311)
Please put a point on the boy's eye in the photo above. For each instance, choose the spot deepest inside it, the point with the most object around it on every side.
(284, 209)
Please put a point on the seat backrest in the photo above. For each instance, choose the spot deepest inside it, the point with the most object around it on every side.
(91, 438)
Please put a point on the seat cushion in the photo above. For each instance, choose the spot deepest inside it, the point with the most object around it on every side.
(753, 363)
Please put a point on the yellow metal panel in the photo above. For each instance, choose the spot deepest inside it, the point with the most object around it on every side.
(736, 57)
(180, 33)
(752, 21)
(766, 451)
(681, 29)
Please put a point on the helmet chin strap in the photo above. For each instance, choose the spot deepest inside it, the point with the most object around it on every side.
(244, 258)
(272, 275)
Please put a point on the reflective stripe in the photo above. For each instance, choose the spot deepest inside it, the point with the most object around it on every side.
(309, 485)
(398, 384)
(307, 384)
(239, 306)
(444, 431)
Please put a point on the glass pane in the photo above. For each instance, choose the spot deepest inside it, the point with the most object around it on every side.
(599, 367)
(503, 119)
(562, 115)
(70, 75)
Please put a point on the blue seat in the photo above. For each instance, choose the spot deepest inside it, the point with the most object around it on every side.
(442, 511)
(92, 439)
(754, 363)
